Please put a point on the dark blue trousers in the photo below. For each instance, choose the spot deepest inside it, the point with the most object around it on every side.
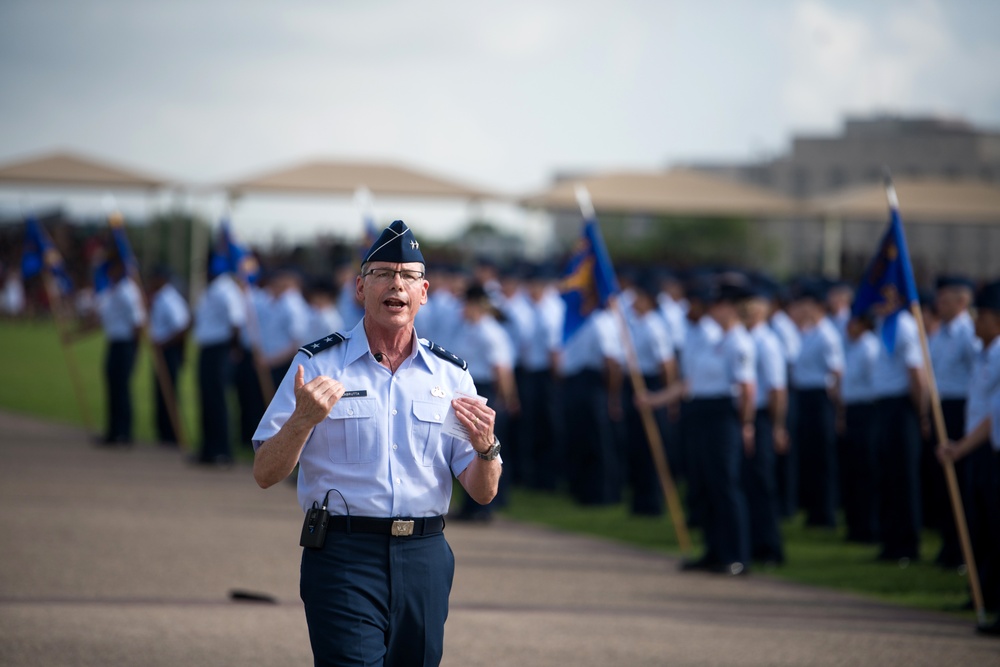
(470, 508)
(173, 357)
(214, 369)
(377, 600)
(982, 509)
(787, 465)
(690, 441)
(719, 464)
(817, 446)
(898, 440)
(119, 361)
(643, 480)
(860, 475)
(593, 472)
(539, 461)
(762, 494)
(248, 395)
(937, 508)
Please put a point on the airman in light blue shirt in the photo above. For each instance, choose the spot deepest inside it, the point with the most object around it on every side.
(893, 373)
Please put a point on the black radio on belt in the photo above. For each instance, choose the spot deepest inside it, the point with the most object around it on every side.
(316, 522)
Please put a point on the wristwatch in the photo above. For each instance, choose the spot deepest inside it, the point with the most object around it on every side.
(492, 452)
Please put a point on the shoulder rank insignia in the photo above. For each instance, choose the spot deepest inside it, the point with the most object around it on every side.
(322, 344)
(445, 354)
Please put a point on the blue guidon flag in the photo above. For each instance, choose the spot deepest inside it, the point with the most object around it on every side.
(589, 281)
(40, 254)
(228, 256)
(122, 250)
(889, 277)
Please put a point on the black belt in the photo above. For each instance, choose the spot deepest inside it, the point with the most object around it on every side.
(394, 527)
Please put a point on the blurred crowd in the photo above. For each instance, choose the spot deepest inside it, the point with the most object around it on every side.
(773, 400)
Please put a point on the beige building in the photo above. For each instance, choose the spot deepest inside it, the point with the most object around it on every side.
(950, 204)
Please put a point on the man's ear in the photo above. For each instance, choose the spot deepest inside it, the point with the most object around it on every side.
(359, 288)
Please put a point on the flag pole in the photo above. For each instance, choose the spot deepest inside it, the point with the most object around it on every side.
(55, 302)
(942, 436)
(159, 362)
(653, 436)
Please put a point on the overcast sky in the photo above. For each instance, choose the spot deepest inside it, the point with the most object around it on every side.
(499, 94)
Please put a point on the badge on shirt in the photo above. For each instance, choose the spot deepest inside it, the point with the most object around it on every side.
(355, 394)
(437, 392)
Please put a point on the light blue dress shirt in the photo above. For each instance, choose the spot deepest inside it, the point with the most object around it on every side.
(440, 317)
(772, 371)
(788, 334)
(995, 423)
(351, 311)
(821, 355)
(719, 361)
(323, 322)
(257, 303)
(892, 373)
(953, 349)
(703, 332)
(121, 310)
(543, 334)
(591, 345)
(653, 345)
(859, 368)
(382, 446)
(285, 322)
(168, 314)
(675, 316)
(984, 386)
(517, 320)
(221, 308)
(485, 346)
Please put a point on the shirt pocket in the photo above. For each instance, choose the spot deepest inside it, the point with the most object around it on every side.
(351, 432)
(428, 447)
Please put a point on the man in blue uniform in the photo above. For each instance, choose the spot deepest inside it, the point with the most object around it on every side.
(654, 352)
(487, 349)
(218, 317)
(770, 432)
(122, 315)
(981, 431)
(815, 379)
(538, 350)
(900, 392)
(364, 415)
(169, 322)
(953, 349)
(856, 425)
(591, 385)
(720, 380)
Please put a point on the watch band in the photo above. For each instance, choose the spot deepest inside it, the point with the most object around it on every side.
(492, 452)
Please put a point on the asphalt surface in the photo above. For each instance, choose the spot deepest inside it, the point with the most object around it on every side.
(130, 557)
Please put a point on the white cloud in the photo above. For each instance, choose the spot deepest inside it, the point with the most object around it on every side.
(844, 60)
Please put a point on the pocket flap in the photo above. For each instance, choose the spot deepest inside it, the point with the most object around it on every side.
(353, 408)
(430, 412)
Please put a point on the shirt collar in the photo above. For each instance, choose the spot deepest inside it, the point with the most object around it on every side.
(952, 326)
(357, 347)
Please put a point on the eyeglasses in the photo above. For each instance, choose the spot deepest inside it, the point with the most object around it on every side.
(388, 275)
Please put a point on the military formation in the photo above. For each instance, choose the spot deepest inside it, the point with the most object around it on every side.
(773, 400)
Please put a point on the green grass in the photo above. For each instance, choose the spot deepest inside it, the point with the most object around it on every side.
(36, 382)
(813, 556)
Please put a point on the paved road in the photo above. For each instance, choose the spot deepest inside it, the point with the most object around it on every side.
(129, 558)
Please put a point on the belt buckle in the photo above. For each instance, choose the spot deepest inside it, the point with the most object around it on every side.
(402, 528)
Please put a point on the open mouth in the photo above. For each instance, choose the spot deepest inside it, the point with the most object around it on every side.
(395, 305)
